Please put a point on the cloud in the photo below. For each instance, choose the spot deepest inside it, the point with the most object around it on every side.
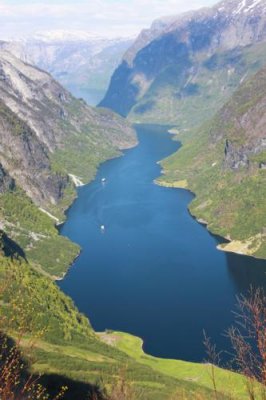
(105, 17)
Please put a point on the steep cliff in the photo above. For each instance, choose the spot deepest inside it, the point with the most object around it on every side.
(224, 162)
(6, 182)
(83, 63)
(184, 68)
(49, 142)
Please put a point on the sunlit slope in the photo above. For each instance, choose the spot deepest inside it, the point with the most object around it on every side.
(63, 346)
(50, 143)
(224, 163)
(185, 67)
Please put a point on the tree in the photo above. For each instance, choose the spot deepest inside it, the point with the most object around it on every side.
(248, 339)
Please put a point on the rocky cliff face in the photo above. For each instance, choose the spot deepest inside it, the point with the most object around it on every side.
(241, 124)
(223, 162)
(38, 118)
(49, 143)
(195, 57)
(6, 182)
(34, 97)
(80, 62)
(26, 158)
(237, 157)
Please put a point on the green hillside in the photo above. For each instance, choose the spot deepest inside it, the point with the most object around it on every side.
(66, 347)
(175, 99)
(223, 164)
(50, 143)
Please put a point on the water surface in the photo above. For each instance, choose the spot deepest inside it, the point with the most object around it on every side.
(154, 272)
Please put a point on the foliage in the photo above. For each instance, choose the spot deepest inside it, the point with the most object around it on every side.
(170, 99)
(232, 201)
(18, 127)
(248, 338)
(66, 346)
(35, 233)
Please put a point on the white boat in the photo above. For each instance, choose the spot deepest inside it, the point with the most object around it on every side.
(102, 228)
(103, 180)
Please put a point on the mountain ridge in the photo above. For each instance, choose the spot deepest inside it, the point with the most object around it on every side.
(32, 254)
(49, 142)
(223, 163)
(57, 138)
(172, 65)
(83, 64)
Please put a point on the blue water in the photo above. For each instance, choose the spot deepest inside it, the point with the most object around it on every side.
(154, 272)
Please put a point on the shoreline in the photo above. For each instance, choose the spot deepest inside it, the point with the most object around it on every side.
(227, 243)
(59, 224)
(184, 370)
(61, 278)
(198, 220)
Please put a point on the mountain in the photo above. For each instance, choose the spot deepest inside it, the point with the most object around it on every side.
(183, 71)
(49, 142)
(199, 57)
(80, 61)
(224, 163)
(59, 343)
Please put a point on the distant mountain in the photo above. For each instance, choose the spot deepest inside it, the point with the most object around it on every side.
(199, 57)
(80, 61)
(224, 163)
(46, 138)
(49, 142)
(184, 71)
(61, 35)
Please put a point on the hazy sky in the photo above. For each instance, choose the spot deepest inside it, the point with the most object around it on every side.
(104, 17)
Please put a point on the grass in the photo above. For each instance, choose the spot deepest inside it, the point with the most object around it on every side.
(231, 201)
(36, 234)
(89, 138)
(227, 382)
(216, 79)
(81, 158)
(18, 127)
(69, 347)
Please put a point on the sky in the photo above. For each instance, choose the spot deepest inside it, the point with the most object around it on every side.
(110, 18)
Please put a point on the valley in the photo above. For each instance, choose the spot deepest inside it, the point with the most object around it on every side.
(54, 137)
(229, 180)
(130, 228)
(150, 245)
(173, 76)
(82, 62)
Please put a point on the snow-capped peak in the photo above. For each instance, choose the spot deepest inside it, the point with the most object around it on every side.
(248, 5)
(237, 7)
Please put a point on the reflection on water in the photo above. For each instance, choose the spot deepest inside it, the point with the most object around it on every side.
(154, 272)
(246, 271)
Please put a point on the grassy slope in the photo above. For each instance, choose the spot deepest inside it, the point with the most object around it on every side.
(36, 234)
(228, 383)
(232, 202)
(171, 101)
(83, 151)
(69, 347)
